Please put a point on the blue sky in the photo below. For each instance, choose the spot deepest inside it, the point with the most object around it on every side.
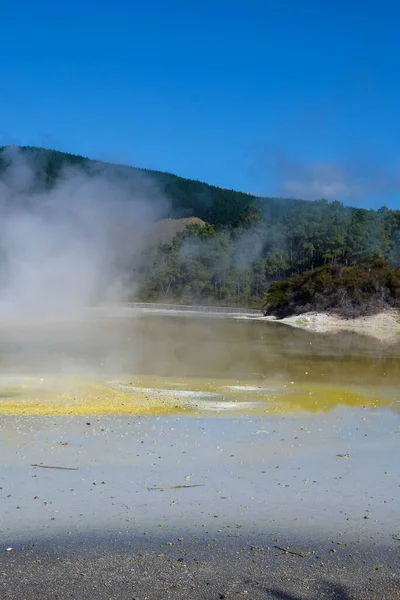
(292, 98)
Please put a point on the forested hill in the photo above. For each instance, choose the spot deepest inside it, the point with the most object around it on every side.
(249, 242)
(188, 198)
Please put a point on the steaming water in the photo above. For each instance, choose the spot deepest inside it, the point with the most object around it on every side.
(191, 362)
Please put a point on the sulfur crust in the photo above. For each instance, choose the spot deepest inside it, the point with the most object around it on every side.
(77, 398)
(99, 400)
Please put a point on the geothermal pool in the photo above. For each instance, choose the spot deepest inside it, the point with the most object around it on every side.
(172, 429)
(160, 364)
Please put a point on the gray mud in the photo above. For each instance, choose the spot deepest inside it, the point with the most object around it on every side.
(127, 567)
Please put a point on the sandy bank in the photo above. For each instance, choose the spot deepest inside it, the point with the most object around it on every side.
(384, 326)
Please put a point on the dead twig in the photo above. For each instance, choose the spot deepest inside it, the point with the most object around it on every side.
(59, 468)
(287, 551)
(172, 487)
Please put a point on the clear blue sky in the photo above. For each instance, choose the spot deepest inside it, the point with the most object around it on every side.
(300, 98)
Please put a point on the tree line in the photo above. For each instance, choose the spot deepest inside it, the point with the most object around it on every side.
(237, 264)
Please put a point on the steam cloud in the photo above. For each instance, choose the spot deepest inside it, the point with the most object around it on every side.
(66, 248)
(332, 181)
(346, 180)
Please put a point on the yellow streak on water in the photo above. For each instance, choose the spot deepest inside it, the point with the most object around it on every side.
(90, 399)
(163, 396)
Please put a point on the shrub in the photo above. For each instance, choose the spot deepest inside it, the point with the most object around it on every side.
(346, 291)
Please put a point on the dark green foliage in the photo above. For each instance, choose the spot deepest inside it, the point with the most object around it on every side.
(276, 299)
(47, 164)
(187, 197)
(346, 291)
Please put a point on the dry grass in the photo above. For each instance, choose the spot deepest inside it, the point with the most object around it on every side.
(166, 229)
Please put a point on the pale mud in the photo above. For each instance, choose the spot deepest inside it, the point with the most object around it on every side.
(334, 478)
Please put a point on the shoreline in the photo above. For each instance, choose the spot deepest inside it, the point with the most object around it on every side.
(384, 326)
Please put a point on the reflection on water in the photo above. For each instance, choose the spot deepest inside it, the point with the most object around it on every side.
(192, 361)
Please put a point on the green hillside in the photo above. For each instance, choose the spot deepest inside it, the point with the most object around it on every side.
(251, 242)
(188, 198)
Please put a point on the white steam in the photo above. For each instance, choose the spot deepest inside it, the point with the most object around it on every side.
(69, 247)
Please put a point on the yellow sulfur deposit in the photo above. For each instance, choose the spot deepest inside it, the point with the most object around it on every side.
(163, 396)
(85, 399)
